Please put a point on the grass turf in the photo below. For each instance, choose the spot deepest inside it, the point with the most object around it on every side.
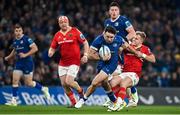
(87, 110)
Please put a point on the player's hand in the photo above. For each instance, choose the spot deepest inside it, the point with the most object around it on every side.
(22, 55)
(107, 57)
(139, 54)
(6, 58)
(84, 59)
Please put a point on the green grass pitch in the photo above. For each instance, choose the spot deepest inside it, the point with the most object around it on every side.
(87, 110)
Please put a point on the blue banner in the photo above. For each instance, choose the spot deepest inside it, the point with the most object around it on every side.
(32, 96)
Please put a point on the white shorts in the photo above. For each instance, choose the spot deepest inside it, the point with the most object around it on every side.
(71, 70)
(133, 76)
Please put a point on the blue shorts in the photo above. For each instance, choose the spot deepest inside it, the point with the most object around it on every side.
(108, 68)
(121, 58)
(26, 67)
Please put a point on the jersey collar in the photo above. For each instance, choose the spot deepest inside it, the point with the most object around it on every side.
(115, 19)
(20, 37)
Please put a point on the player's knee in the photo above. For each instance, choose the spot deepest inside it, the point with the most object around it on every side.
(69, 82)
(29, 83)
(15, 82)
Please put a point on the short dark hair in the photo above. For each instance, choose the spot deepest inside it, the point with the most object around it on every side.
(110, 29)
(114, 4)
(17, 26)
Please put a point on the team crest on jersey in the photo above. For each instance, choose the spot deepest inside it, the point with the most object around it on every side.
(115, 45)
(116, 24)
(21, 42)
(70, 35)
(82, 36)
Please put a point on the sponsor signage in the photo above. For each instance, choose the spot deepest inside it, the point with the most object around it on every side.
(147, 96)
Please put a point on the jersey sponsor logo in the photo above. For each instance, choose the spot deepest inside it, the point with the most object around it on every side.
(66, 41)
(19, 48)
(116, 24)
(82, 36)
(107, 24)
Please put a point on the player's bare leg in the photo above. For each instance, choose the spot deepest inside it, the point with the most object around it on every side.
(16, 77)
(72, 83)
(101, 77)
(29, 82)
(68, 91)
(126, 82)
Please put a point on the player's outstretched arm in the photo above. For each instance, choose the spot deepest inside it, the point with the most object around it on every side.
(84, 59)
(10, 55)
(128, 47)
(150, 58)
(131, 33)
(93, 54)
(33, 50)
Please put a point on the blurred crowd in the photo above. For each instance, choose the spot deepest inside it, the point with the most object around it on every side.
(159, 19)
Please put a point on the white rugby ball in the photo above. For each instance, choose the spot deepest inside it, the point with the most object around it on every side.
(104, 51)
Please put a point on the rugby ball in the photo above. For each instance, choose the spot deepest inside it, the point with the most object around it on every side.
(104, 51)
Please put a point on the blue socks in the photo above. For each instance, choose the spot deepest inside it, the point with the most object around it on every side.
(126, 100)
(38, 86)
(133, 90)
(111, 96)
(14, 91)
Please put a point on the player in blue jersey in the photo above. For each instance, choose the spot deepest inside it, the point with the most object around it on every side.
(124, 29)
(107, 65)
(23, 48)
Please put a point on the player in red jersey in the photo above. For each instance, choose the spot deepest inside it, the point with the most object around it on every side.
(132, 68)
(69, 39)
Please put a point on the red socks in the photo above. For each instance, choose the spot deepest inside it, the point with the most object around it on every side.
(72, 97)
(116, 90)
(122, 93)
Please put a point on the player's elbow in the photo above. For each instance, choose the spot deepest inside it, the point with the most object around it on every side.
(154, 60)
(35, 49)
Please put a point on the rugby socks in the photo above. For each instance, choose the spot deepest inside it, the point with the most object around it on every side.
(111, 96)
(14, 91)
(37, 85)
(72, 97)
(122, 93)
(133, 89)
(116, 90)
(81, 93)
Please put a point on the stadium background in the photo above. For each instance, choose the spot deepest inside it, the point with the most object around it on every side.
(159, 19)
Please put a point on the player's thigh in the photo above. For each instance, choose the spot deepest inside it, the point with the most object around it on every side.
(72, 71)
(71, 74)
(62, 72)
(126, 82)
(115, 81)
(130, 77)
(16, 76)
(99, 78)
